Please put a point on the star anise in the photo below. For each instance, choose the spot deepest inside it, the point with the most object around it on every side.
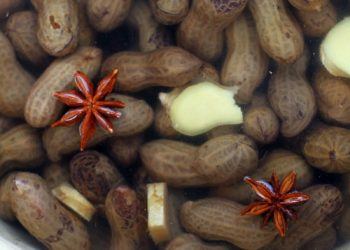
(89, 106)
(277, 198)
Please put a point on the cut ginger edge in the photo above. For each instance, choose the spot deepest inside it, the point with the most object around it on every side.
(335, 49)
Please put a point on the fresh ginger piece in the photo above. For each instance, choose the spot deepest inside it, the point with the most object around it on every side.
(202, 107)
(335, 49)
(70, 197)
(158, 217)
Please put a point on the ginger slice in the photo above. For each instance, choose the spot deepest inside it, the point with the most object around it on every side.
(70, 197)
(201, 107)
(335, 49)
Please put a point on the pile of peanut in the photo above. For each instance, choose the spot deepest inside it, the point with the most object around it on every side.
(296, 118)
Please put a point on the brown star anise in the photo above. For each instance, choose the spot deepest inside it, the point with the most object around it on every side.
(276, 200)
(89, 106)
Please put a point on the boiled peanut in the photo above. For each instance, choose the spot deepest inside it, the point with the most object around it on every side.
(93, 175)
(328, 148)
(86, 33)
(317, 23)
(137, 116)
(42, 108)
(168, 67)
(55, 174)
(151, 34)
(246, 63)
(31, 202)
(7, 6)
(191, 242)
(332, 96)
(309, 5)
(58, 26)
(223, 130)
(291, 97)
(106, 15)
(6, 124)
(324, 241)
(201, 32)
(220, 219)
(125, 214)
(21, 29)
(315, 217)
(280, 36)
(162, 123)
(343, 224)
(280, 161)
(169, 12)
(20, 148)
(125, 150)
(15, 81)
(222, 160)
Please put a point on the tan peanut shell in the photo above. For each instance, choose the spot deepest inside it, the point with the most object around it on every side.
(261, 124)
(137, 116)
(21, 29)
(125, 150)
(162, 123)
(201, 32)
(280, 161)
(315, 216)
(31, 202)
(317, 23)
(220, 219)
(279, 34)
(151, 34)
(167, 67)
(223, 130)
(6, 123)
(15, 81)
(42, 108)
(191, 242)
(20, 148)
(332, 96)
(292, 98)
(106, 15)
(343, 224)
(222, 160)
(328, 148)
(58, 26)
(86, 33)
(7, 6)
(246, 63)
(169, 12)
(325, 241)
(93, 175)
(55, 174)
(127, 219)
(309, 5)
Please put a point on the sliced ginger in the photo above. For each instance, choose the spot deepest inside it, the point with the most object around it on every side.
(201, 107)
(158, 212)
(335, 49)
(70, 197)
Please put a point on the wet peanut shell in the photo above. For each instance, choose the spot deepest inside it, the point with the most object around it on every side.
(6, 124)
(222, 160)
(42, 108)
(325, 241)
(169, 12)
(246, 63)
(137, 116)
(20, 148)
(7, 6)
(328, 148)
(106, 15)
(55, 174)
(220, 219)
(15, 81)
(21, 29)
(333, 97)
(315, 216)
(317, 23)
(93, 175)
(309, 5)
(32, 203)
(191, 242)
(167, 67)
(223, 130)
(279, 34)
(58, 26)
(162, 123)
(201, 32)
(280, 161)
(87, 34)
(343, 223)
(151, 34)
(125, 150)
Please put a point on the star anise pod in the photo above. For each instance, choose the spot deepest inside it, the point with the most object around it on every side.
(277, 199)
(89, 106)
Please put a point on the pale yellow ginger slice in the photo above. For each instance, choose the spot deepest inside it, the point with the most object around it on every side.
(70, 197)
(201, 107)
(158, 217)
(335, 49)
